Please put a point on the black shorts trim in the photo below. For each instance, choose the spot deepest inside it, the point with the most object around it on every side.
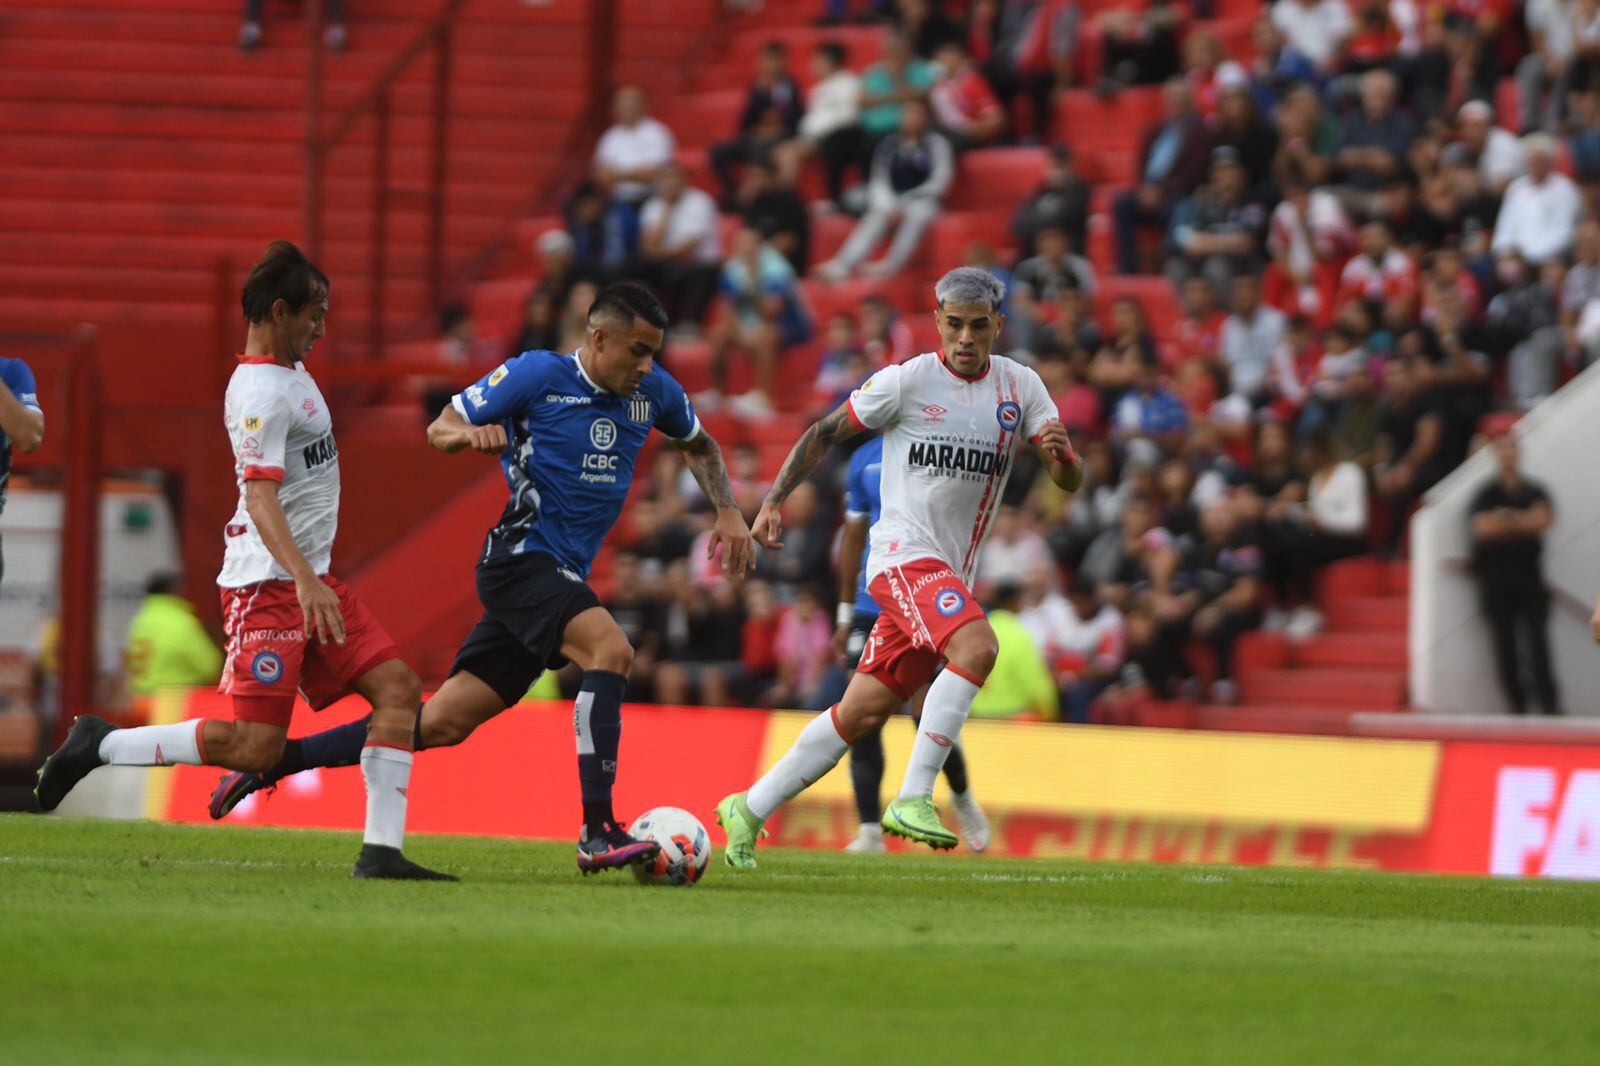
(528, 600)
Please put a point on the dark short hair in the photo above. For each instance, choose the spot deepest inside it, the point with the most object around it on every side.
(161, 583)
(836, 52)
(282, 273)
(626, 301)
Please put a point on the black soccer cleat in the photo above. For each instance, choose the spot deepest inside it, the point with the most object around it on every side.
(71, 762)
(388, 864)
(612, 848)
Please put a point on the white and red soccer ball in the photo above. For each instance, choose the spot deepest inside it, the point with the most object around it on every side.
(685, 846)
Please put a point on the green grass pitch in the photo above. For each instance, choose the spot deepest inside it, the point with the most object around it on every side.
(132, 942)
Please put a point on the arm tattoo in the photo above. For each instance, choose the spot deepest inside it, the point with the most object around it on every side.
(809, 450)
(705, 462)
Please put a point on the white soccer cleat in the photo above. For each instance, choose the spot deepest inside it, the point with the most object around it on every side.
(974, 823)
(870, 839)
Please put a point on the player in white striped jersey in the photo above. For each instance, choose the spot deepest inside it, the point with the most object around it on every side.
(953, 423)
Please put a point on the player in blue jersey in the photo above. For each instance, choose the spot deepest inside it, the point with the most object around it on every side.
(568, 429)
(858, 612)
(21, 422)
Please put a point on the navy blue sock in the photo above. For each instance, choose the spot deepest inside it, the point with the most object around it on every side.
(339, 746)
(955, 769)
(597, 721)
(866, 774)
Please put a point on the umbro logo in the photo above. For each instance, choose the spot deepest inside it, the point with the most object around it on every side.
(161, 760)
(400, 790)
(934, 413)
(941, 740)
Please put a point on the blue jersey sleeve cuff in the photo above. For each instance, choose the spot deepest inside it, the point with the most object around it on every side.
(694, 431)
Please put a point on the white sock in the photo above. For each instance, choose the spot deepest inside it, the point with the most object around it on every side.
(943, 714)
(155, 745)
(817, 749)
(387, 772)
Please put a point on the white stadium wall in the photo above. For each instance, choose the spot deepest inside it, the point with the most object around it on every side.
(1452, 670)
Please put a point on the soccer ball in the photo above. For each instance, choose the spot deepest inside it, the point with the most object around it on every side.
(685, 846)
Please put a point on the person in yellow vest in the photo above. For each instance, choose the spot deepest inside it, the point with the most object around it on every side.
(166, 643)
(1020, 683)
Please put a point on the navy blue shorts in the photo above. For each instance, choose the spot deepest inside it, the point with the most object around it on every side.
(527, 602)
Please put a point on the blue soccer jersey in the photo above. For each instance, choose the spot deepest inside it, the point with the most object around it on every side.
(863, 498)
(16, 376)
(571, 452)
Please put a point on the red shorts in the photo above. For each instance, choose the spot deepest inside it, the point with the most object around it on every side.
(269, 659)
(923, 603)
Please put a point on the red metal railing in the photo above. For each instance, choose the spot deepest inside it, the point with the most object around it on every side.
(377, 102)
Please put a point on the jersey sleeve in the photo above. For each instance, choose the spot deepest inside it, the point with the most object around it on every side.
(877, 402)
(261, 433)
(675, 416)
(1038, 409)
(505, 391)
(857, 503)
(19, 377)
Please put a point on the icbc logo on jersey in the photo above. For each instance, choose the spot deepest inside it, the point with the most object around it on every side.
(949, 602)
(1009, 415)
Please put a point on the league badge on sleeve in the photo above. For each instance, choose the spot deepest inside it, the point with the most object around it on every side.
(1009, 414)
(252, 423)
(498, 375)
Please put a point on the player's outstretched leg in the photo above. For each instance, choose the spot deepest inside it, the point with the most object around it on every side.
(339, 746)
(970, 653)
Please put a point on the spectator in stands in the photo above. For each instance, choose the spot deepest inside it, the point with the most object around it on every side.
(680, 246)
(627, 162)
(1528, 319)
(1172, 163)
(558, 264)
(1307, 137)
(771, 117)
(964, 106)
(1125, 354)
(1084, 641)
(1580, 289)
(1217, 233)
(887, 86)
(830, 128)
(925, 24)
(764, 312)
(1582, 130)
(587, 216)
(1139, 45)
(770, 205)
(1222, 575)
(166, 644)
(1332, 524)
(1073, 332)
(1039, 281)
(1372, 150)
(700, 635)
(807, 540)
(1026, 48)
(1239, 126)
(1020, 683)
(911, 172)
(1061, 200)
(541, 324)
(1317, 30)
(1013, 551)
(1209, 70)
(1150, 412)
(634, 605)
(803, 650)
(1542, 208)
(334, 36)
(1308, 236)
(1249, 341)
(1542, 73)
(1276, 68)
(1500, 155)
(1510, 517)
(1381, 274)
(885, 338)
(1198, 333)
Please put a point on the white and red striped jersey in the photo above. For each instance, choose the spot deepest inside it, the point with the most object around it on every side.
(281, 430)
(948, 446)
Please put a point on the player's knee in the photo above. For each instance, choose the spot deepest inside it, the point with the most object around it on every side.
(613, 653)
(974, 650)
(401, 688)
(255, 753)
(444, 732)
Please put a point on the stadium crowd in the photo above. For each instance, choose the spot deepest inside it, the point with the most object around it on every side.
(1369, 260)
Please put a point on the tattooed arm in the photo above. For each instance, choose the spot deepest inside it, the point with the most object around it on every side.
(808, 451)
(730, 533)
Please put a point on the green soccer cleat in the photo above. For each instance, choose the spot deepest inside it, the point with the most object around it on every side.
(918, 819)
(743, 829)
